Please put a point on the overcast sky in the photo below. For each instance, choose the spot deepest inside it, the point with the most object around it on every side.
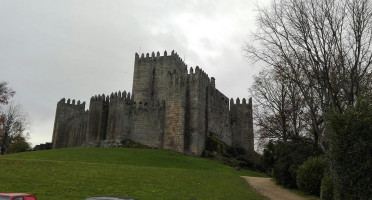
(75, 49)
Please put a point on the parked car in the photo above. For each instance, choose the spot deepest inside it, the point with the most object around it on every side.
(17, 196)
(108, 198)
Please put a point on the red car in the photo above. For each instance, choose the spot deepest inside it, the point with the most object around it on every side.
(16, 196)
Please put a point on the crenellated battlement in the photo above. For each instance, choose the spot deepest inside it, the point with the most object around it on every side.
(99, 98)
(198, 76)
(244, 101)
(157, 56)
(120, 95)
(198, 72)
(71, 102)
(171, 59)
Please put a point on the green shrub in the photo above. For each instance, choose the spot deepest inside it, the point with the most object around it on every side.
(326, 188)
(350, 145)
(310, 174)
(268, 158)
(287, 157)
(19, 146)
(236, 151)
(132, 144)
(215, 148)
(236, 157)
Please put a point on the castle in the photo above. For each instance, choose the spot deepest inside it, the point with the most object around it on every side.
(170, 107)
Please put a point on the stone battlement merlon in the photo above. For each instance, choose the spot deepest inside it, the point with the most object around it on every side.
(213, 82)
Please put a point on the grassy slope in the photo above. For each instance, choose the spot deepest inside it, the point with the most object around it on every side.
(140, 173)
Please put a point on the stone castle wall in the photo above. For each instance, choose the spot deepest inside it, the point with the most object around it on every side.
(219, 116)
(171, 107)
(148, 125)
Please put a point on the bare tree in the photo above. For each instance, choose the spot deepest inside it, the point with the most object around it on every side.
(322, 46)
(5, 92)
(279, 109)
(13, 126)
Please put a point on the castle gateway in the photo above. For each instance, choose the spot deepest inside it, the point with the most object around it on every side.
(171, 107)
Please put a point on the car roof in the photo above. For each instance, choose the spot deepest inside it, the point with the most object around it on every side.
(109, 198)
(13, 194)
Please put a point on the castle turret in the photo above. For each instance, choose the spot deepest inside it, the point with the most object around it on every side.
(241, 122)
(65, 111)
(97, 119)
(197, 99)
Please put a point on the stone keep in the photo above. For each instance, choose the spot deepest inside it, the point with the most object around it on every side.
(171, 107)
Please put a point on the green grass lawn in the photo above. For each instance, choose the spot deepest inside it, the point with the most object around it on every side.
(78, 173)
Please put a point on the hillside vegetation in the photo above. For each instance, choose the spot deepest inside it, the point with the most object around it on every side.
(77, 173)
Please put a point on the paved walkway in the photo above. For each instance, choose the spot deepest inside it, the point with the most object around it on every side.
(270, 190)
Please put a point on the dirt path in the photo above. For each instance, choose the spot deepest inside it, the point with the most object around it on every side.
(269, 189)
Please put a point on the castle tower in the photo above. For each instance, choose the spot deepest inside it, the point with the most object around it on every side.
(65, 111)
(150, 79)
(242, 123)
(77, 127)
(119, 116)
(198, 111)
(158, 78)
(97, 119)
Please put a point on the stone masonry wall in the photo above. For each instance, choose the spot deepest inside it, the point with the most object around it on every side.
(97, 118)
(148, 124)
(198, 100)
(175, 111)
(77, 127)
(119, 116)
(219, 115)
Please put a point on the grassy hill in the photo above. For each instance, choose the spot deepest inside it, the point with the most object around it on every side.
(77, 173)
